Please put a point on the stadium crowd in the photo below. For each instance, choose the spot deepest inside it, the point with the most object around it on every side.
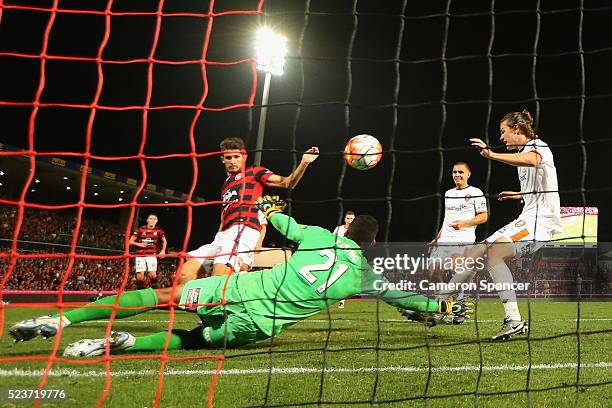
(96, 237)
(57, 227)
(86, 274)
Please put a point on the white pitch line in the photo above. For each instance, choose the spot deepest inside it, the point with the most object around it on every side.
(18, 372)
(340, 321)
(469, 321)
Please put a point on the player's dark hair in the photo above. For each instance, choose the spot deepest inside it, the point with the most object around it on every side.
(463, 164)
(523, 120)
(150, 214)
(232, 143)
(363, 230)
(349, 212)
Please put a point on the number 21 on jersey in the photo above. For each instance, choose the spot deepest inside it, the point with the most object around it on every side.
(307, 271)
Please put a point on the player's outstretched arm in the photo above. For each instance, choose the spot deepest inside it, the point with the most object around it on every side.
(272, 207)
(294, 178)
(510, 195)
(525, 159)
(413, 301)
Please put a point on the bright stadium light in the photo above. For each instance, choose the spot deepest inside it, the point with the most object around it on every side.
(271, 49)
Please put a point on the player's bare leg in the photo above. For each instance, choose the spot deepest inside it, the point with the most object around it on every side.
(221, 269)
(140, 280)
(129, 303)
(153, 279)
(189, 271)
(435, 273)
(118, 341)
(501, 250)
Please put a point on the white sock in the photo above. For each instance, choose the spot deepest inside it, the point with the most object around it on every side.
(459, 277)
(500, 273)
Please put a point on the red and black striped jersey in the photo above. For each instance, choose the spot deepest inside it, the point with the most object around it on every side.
(239, 192)
(149, 236)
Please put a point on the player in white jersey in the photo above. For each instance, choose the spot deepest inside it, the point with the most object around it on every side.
(540, 218)
(465, 207)
(349, 216)
(340, 230)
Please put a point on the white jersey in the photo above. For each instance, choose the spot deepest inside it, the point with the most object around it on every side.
(340, 230)
(461, 205)
(540, 188)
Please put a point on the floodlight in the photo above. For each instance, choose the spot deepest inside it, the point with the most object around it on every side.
(271, 49)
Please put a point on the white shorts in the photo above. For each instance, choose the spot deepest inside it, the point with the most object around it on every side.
(233, 247)
(529, 232)
(146, 264)
(448, 250)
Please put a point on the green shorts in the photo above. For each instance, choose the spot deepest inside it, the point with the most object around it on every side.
(222, 325)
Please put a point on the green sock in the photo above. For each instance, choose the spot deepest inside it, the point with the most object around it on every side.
(410, 300)
(156, 342)
(136, 298)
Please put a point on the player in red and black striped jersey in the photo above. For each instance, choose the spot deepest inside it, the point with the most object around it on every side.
(147, 238)
(240, 229)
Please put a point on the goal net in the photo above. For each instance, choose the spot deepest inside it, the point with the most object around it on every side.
(143, 91)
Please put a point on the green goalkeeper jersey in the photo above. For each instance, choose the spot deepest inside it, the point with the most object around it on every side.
(324, 269)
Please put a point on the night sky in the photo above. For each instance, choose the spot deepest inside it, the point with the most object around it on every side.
(460, 68)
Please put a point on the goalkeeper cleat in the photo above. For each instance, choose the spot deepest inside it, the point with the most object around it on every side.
(45, 326)
(428, 319)
(341, 304)
(96, 347)
(511, 328)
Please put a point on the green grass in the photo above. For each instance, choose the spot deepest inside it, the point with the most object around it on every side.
(355, 342)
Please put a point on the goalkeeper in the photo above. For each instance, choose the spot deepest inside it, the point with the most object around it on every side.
(247, 307)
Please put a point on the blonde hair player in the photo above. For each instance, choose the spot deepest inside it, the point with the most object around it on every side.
(540, 218)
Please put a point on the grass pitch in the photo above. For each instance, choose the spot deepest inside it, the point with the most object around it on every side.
(371, 355)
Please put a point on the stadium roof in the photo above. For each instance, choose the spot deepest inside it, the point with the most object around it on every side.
(57, 179)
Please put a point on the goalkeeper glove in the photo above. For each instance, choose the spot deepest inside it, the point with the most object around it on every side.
(270, 205)
(458, 308)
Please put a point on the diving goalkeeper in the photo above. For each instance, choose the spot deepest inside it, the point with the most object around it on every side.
(247, 307)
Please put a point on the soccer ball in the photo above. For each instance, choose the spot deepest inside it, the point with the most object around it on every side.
(363, 152)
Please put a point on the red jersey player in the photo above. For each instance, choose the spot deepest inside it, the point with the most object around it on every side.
(240, 227)
(147, 238)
